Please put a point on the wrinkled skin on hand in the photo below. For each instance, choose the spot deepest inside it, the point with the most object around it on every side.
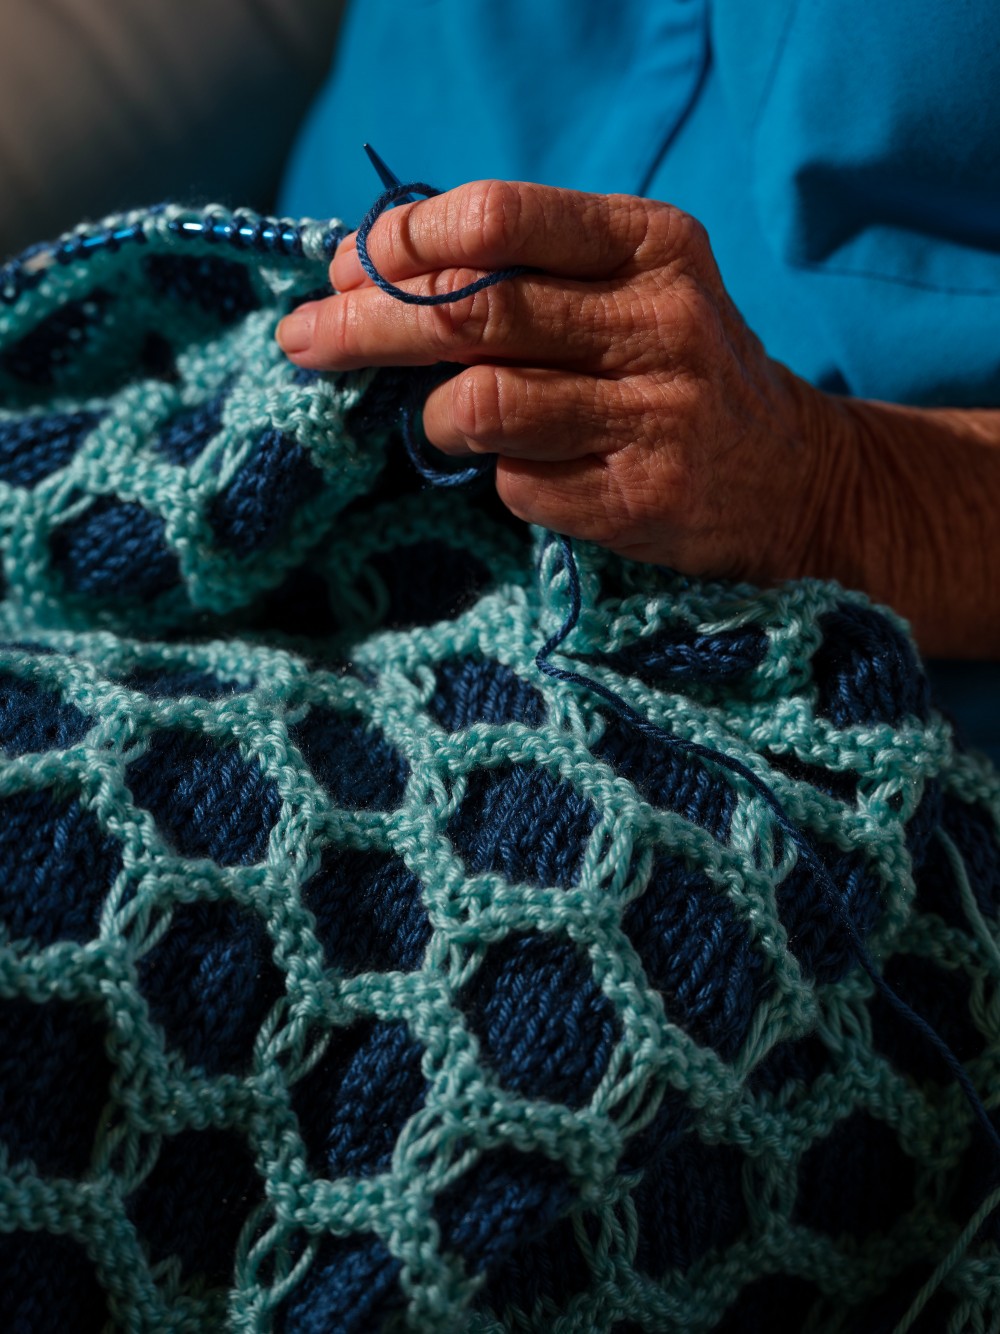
(625, 399)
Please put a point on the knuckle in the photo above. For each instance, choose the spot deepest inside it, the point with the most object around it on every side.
(460, 324)
(333, 325)
(491, 211)
(673, 234)
(476, 404)
(467, 324)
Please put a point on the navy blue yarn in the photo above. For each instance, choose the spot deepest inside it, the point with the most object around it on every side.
(161, 683)
(196, 1199)
(31, 1303)
(352, 1105)
(865, 670)
(185, 435)
(798, 1062)
(55, 342)
(545, 1027)
(697, 953)
(849, 692)
(46, 1050)
(391, 196)
(302, 605)
(835, 783)
(210, 983)
(855, 1181)
(351, 760)
(523, 822)
(221, 288)
(437, 475)
(689, 1201)
(775, 1304)
(921, 828)
(814, 936)
(208, 801)
(351, 1287)
(668, 780)
(971, 828)
(369, 911)
(33, 718)
(429, 580)
(507, 1198)
(473, 690)
(942, 989)
(32, 448)
(156, 359)
(550, 1267)
(679, 654)
(255, 509)
(660, 1136)
(115, 549)
(60, 866)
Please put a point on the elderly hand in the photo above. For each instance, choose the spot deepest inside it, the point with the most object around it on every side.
(628, 404)
(624, 397)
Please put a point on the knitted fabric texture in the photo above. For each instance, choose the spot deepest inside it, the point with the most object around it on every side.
(357, 975)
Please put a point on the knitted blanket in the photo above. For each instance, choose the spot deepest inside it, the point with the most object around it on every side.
(357, 974)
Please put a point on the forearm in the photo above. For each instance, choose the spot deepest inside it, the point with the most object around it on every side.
(910, 512)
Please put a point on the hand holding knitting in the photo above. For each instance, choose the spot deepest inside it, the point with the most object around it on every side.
(628, 404)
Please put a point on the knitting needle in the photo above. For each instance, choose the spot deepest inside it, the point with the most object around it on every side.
(387, 177)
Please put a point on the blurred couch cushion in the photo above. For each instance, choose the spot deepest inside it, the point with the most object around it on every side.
(107, 104)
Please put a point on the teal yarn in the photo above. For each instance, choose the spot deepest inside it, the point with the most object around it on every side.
(355, 972)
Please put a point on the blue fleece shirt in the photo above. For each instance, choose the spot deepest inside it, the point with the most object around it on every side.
(843, 154)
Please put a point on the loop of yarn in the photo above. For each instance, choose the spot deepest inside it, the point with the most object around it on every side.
(386, 200)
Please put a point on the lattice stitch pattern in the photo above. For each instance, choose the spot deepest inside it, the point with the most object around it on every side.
(354, 974)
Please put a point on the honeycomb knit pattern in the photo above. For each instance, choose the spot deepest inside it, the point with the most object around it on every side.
(357, 975)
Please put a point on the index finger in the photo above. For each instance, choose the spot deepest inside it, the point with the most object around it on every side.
(494, 224)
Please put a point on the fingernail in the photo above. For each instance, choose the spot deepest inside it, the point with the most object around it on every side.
(295, 332)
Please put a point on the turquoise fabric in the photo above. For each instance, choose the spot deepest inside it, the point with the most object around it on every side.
(844, 156)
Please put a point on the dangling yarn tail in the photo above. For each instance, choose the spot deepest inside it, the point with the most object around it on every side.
(954, 1256)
